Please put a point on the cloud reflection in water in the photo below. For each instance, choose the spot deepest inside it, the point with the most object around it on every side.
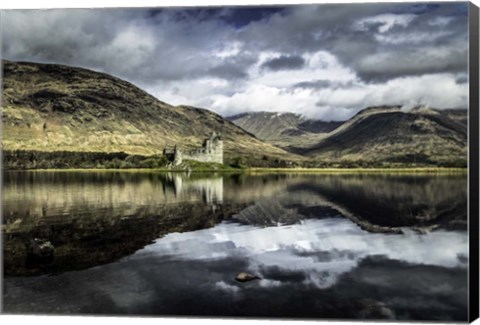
(321, 249)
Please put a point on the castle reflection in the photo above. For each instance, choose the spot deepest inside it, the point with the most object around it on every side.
(183, 184)
(94, 218)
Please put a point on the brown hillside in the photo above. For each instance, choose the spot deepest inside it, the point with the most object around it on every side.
(390, 135)
(49, 107)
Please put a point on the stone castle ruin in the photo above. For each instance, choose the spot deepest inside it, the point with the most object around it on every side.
(211, 151)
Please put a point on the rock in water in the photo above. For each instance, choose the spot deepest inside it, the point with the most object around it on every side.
(40, 248)
(373, 309)
(245, 277)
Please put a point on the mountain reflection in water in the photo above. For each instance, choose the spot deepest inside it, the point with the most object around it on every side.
(171, 244)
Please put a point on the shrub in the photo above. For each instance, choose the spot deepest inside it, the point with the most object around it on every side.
(239, 162)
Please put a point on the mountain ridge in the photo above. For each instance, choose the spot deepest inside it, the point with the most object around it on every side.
(57, 108)
(391, 135)
(285, 130)
(378, 135)
(50, 107)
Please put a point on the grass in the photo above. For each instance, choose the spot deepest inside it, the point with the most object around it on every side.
(186, 166)
(99, 161)
(207, 168)
(397, 170)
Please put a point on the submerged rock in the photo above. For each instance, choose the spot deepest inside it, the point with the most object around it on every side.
(40, 249)
(245, 277)
(373, 309)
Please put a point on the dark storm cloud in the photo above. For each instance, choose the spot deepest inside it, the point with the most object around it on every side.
(306, 28)
(235, 16)
(231, 68)
(171, 48)
(284, 62)
(240, 17)
(432, 42)
(228, 71)
(333, 28)
(132, 44)
(384, 66)
(175, 44)
(314, 84)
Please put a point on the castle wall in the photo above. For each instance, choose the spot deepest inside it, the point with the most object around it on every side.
(211, 151)
(214, 154)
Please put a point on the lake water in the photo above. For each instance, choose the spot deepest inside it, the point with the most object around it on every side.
(324, 246)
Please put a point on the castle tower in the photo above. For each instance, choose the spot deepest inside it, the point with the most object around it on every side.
(217, 147)
(177, 156)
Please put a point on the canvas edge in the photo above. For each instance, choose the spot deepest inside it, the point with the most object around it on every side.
(1, 163)
(473, 167)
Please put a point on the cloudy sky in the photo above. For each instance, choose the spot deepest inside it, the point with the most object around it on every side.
(322, 61)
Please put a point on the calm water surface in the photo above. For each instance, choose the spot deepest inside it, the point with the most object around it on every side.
(324, 246)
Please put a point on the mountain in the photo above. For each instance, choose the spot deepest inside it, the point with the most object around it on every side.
(458, 115)
(53, 108)
(389, 135)
(286, 130)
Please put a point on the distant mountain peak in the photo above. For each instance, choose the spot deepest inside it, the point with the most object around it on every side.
(379, 109)
(264, 114)
(284, 129)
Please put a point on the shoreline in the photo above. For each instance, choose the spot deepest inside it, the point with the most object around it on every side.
(415, 170)
(260, 170)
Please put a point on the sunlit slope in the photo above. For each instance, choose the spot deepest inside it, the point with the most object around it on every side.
(49, 107)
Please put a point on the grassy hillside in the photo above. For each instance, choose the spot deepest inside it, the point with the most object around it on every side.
(391, 136)
(50, 108)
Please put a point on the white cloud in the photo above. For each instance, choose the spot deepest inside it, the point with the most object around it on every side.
(440, 21)
(428, 90)
(228, 50)
(385, 22)
(134, 45)
(222, 285)
(340, 95)
(411, 38)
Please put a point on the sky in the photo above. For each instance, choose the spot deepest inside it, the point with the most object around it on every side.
(323, 61)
